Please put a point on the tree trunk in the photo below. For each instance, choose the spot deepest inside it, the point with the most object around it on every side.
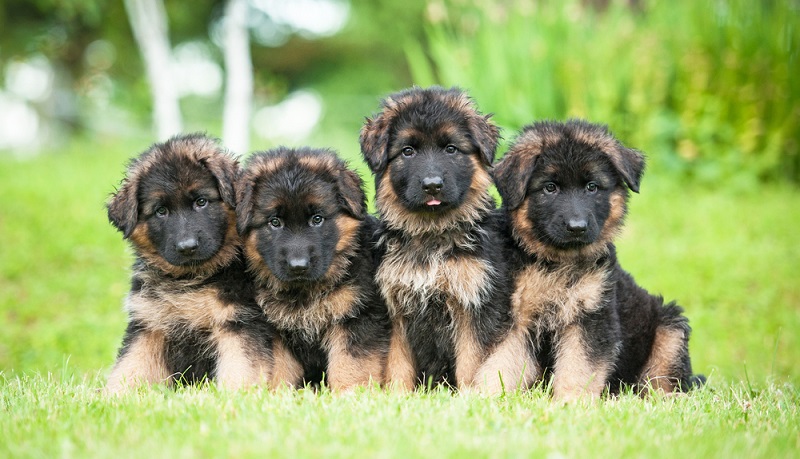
(149, 23)
(239, 78)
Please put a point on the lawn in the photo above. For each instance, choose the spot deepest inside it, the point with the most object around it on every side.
(728, 254)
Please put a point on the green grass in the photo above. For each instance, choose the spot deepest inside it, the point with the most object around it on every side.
(729, 257)
(64, 416)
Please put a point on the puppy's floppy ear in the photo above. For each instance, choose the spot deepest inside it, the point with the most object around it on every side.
(244, 203)
(630, 165)
(123, 207)
(374, 141)
(225, 169)
(351, 194)
(511, 177)
(485, 134)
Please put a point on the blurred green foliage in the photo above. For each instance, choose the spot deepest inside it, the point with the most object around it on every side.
(707, 88)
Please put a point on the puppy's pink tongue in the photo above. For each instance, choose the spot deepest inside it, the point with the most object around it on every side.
(433, 202)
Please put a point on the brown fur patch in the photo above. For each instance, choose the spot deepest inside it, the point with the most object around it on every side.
(596, 139)
(509, 366)
(400, 372)
(179, 304)
(345, 370)
(660, 369)
(265, 167)
(318, 164)
(575, 376)
(469, 352)
(348, 231)
(143, 363)
(286, 370)
(224, 257)
(552, 300)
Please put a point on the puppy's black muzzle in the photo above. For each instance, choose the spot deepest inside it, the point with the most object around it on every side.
(432, 185)
(188, 246)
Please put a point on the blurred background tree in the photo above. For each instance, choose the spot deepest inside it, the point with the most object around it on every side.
(706, 88)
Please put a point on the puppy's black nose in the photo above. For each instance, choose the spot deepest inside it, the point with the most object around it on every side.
(576, 226)
(187, 246)
(432, 185)
(298, 266)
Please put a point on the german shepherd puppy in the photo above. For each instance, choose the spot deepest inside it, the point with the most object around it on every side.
(441, 270)
(307, 238)
(191, 307)
(577, 313)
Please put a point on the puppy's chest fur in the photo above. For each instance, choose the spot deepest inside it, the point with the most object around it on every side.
(547, 298)
(310, 311)
(413, 276)
(173, 306)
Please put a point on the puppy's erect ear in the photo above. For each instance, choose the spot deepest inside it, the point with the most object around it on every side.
(226, 170)
(123, 207)
(374, 141)
(630, 165)
(351, 194)
(511, 177)
(244, 203)
(486, 136)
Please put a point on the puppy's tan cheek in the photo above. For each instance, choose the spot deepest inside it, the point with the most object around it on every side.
(348, 230)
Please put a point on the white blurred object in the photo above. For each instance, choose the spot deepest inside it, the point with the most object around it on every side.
(19, 123)
(293, 119)
(31, 79)
(194, 71)
(307, 18)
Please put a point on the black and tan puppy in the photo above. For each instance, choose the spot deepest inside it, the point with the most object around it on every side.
(441, 270)
(308, 239)
(577, 313)
(192, 312)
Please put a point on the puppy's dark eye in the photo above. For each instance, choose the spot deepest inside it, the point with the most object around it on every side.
(275, 222)
(316, 220)
(201, 202)
(591, 187)
(161, 211)
(408, 151)
(550, 188)
(450, 149)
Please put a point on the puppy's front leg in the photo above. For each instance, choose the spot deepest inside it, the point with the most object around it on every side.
(400, 368)
(142, 360)
(240, 363)
(286, 370)
(349, 367)
(580, 371)
(510, 365)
